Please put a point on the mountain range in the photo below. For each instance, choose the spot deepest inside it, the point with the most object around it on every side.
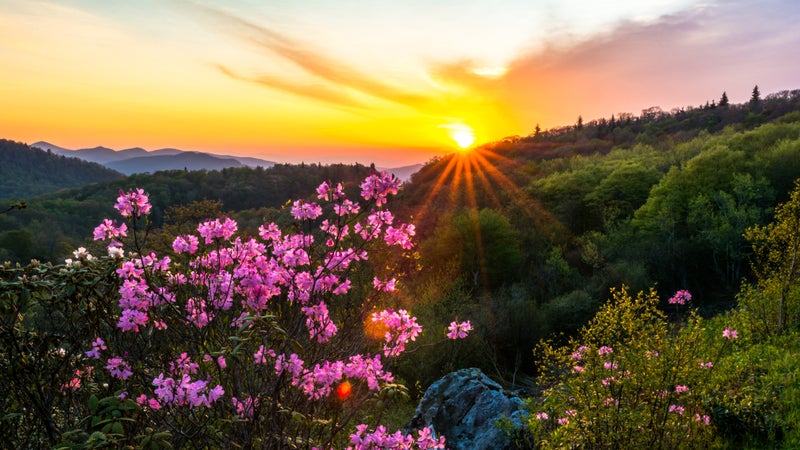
(139, 160)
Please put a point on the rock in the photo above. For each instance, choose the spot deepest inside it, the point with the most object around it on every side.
(463, 406)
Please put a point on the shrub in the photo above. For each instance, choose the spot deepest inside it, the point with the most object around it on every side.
(632, 379)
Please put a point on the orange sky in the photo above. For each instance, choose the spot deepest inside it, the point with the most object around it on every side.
(387, 82)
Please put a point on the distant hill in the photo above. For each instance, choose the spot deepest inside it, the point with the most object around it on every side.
(139, 160)
(26, 171)
(405, 172)
(181, 161)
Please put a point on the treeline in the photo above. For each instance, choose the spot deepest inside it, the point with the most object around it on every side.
(654, 123)
(53, 225)
(26, 172)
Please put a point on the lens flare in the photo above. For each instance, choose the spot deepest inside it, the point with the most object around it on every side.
(343, 390)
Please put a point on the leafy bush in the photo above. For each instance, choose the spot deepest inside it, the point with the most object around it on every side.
(632, 379)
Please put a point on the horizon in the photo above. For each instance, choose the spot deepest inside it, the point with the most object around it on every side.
(299, 82)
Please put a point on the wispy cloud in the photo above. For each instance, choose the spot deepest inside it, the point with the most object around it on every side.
(320, 92)
(336, 74)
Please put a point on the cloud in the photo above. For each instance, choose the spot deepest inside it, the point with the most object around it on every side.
(316, 91)
(304, 56)
(678, 60)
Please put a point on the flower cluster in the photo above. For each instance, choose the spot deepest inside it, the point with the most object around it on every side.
(379, 187)
(400, 328)
(382, 439)
(277, 294)
(119, 368)
(133, 203)
(681, 297)
(729, 333)
(458, 330)
(97, 346)
(80, 255)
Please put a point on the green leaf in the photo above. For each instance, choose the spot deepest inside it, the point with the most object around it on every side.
(116, 428)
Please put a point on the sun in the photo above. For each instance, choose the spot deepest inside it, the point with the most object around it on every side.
(463, 135)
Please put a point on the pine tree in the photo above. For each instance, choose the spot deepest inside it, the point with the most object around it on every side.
(755, 98)
(723, 101)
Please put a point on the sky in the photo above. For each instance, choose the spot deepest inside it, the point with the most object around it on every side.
(386, 82)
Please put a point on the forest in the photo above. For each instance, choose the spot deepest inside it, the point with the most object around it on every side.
(629, 273)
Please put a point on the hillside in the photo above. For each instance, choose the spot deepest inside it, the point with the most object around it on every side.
(54, 224)
(530, 233)
(26, 171)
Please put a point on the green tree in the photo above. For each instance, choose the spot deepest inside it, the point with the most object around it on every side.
(489, 253)
(772, 305)
(719, 218)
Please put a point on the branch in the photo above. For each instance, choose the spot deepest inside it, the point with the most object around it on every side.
(18, 205)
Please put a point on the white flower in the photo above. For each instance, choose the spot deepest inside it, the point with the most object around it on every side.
(116, 252)
(81, 253)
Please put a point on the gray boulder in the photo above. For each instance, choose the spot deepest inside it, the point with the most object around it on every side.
(463, 406)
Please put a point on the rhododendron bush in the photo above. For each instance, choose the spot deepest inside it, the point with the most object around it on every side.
(276, 340)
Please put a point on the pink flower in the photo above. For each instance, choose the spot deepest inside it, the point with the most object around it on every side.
(605, 350)
(185, 244)
(215, 394)
(323, 191)
(577, 355)
(401, 329)
(706, 365)
(563, 421)
(379, 186)
(109, 229)
(577, 369)
(459, 330)
(384, 286)
(302, 210)
(74, 384)
(728, 333)
(542, 416)
(97, 345)
(400, 236)
(245, 409)
(216, 229)
(608, 381)
(680, 298)
(134, 202)
(681, 389)
(677, 409)
(704, 419)
(119, 368)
